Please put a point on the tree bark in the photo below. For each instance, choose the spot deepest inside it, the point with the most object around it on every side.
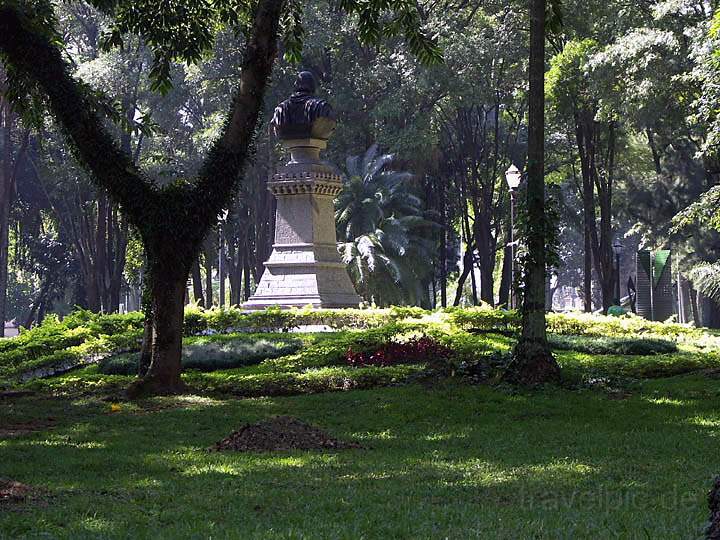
(466, 271)
(7, 194)
(208, 259)
(172, 222)
(197, 283)
(11, 160)
(147, 342)
(532, 361)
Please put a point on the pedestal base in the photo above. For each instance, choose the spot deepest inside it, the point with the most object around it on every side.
(305, 266)
(298, 275)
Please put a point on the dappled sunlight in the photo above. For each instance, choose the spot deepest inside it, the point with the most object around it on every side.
(385, 435)
(94, 524)
(246, 464)
(560, 469)
(459, 454)
(665, 401)
(437, 437)
(706, 421)
(66, 441)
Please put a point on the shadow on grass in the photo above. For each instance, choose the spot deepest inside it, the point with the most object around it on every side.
(452, 462)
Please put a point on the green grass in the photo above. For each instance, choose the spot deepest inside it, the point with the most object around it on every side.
(450, 461)
(625, 449)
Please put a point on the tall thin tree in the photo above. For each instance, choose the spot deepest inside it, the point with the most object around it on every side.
(533, 363)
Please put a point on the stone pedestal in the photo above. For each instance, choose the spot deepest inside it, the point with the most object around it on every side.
(305, 267)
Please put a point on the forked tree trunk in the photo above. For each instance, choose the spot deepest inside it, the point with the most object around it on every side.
(532, 361)
(467, 269)
(171, 244)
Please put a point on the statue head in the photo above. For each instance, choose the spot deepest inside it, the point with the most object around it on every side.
(305, 83)
(302, 115)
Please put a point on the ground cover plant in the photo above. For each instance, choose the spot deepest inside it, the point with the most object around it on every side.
(228, 339)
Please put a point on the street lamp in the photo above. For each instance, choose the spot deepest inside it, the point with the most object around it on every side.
(222, 219)
(617, 248)
(513, 176)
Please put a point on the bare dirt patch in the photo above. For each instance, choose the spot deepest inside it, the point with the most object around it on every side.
(18, 429)
(280, 433)
(14, 492)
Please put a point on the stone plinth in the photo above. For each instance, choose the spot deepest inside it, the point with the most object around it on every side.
(305, 267)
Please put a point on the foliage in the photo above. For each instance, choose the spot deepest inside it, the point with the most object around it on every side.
(589, 367)
(612, 345)
(385, 235)
(706, 279)
(413, 351)
(221, 338)
(212, 355)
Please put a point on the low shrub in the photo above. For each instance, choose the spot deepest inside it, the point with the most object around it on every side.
(583, 365)
(413, 351)
(484, 318)
(211, 356)
(629, 326)
(610, 345)
(310, 381)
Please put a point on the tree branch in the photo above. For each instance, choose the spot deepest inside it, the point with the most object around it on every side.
(32, 54)
(218, 177)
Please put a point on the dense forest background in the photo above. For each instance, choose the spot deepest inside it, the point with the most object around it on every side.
(632, 140)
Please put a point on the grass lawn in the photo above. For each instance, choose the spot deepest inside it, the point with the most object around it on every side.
(455, 461)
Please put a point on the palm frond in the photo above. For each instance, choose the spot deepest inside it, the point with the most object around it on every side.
(706, 279)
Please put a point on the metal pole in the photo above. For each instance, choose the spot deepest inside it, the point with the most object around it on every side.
(512, 249)
(681, 300)
(652, 284)
(617, 282)
(221, 299)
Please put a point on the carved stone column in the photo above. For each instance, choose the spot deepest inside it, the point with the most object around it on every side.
(305, 267)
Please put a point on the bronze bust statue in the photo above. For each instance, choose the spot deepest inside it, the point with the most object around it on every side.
(302, 115)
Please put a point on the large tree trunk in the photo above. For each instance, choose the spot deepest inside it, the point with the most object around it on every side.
(171, 241)
(4, 244)
(11, 160)
(7, 192)
(147, 340)
(167, 281)
(532, 361)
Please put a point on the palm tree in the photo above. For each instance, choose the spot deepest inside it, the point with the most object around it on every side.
(385, 235)
(706, 279)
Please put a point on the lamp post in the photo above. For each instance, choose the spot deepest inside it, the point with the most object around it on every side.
(617, 248)
(513, 176)
(221, 256)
